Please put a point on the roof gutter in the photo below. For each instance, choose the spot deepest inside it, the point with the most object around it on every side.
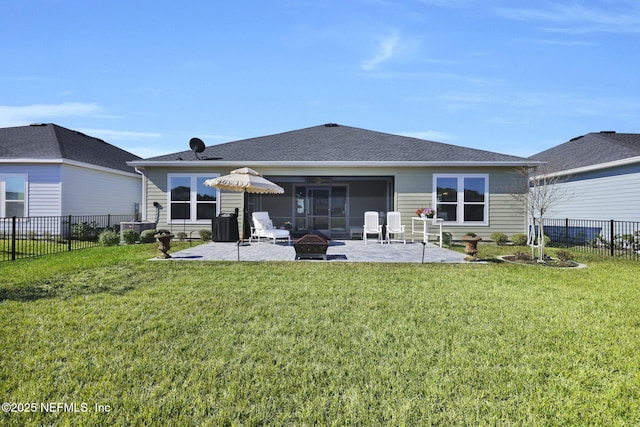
(591, 168)
(71, 163)
(141, 164)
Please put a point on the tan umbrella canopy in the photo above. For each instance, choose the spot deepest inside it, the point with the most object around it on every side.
(246, 180)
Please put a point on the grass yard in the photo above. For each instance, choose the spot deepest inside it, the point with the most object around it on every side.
(27, 248)
(133, 342)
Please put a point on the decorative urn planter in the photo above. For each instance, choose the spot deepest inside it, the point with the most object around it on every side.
(164, 239)
(471, 244)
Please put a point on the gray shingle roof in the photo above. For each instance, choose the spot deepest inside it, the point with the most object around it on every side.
(330, 143)
(589, 150)
(50, 141)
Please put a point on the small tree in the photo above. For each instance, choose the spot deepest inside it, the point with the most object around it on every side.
(543, 193)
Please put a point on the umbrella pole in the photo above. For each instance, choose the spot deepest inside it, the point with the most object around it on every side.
(241, 242)
(244, 218)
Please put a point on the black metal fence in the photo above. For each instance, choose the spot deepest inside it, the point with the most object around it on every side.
(24, 237)
(607, 237)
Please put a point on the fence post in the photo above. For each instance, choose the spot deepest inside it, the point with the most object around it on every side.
(13, 238)
(108, 221)
(566, 232)
(612, 245)
(69, 235)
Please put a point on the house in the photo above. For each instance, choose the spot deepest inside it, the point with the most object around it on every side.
(332, 174)
(599, 176)
(47, 170)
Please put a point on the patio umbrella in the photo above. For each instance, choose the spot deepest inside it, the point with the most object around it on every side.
(246, 180)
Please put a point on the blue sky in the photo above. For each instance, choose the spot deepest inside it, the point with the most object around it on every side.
(510, 76)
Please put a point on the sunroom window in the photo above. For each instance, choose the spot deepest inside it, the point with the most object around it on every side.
(190, 200)
(462, 199)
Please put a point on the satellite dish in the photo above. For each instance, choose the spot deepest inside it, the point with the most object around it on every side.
(197, 146)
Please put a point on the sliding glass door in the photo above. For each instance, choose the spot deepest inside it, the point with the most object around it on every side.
(322, 208)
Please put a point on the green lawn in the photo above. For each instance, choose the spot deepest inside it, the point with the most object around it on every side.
(227, 343)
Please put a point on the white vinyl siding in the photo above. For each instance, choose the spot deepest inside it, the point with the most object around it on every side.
(95, 192)
(43, 187)
(603, 198)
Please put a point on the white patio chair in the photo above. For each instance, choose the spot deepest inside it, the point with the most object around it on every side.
(263, 227)
(395, 227)
(371, 226)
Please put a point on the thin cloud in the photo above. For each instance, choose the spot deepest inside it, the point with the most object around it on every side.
(577, 19)
(429, 135)
(117, 135)
(447, 3)
(571, 43)
(387, 48)
(27, 114)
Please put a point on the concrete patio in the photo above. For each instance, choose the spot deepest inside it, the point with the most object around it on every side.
(338, 251)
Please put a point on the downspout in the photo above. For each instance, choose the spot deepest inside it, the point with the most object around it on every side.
(143, 209)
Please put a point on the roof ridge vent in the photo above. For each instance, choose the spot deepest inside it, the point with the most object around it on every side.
(331, 125)
(607, 131)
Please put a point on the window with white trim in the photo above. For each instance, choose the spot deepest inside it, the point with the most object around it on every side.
(13, 196)
(190, 200)
(462, 198)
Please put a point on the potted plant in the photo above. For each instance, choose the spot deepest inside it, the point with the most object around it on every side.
(426, 213)
(164, 239)
(471, 243)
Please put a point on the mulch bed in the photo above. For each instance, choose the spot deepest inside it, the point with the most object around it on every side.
(548, 262)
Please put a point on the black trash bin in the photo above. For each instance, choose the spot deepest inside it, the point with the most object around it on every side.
(224, 228)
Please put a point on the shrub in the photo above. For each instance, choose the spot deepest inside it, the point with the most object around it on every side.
(87, 231)
(522, 256)
(109, 238)
(205, 234)
(182, 236)
(564, 255)
(130, 236)
(147, 236)
(519, 239)
(499, 238)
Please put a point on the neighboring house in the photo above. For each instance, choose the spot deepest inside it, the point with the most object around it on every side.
(332, 174)
(599, 176)
(47, 170)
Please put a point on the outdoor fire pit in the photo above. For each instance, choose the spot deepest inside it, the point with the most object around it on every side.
(311, 246)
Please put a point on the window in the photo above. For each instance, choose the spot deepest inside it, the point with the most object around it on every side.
(13, 195)
(190, 200)
(462, 199)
